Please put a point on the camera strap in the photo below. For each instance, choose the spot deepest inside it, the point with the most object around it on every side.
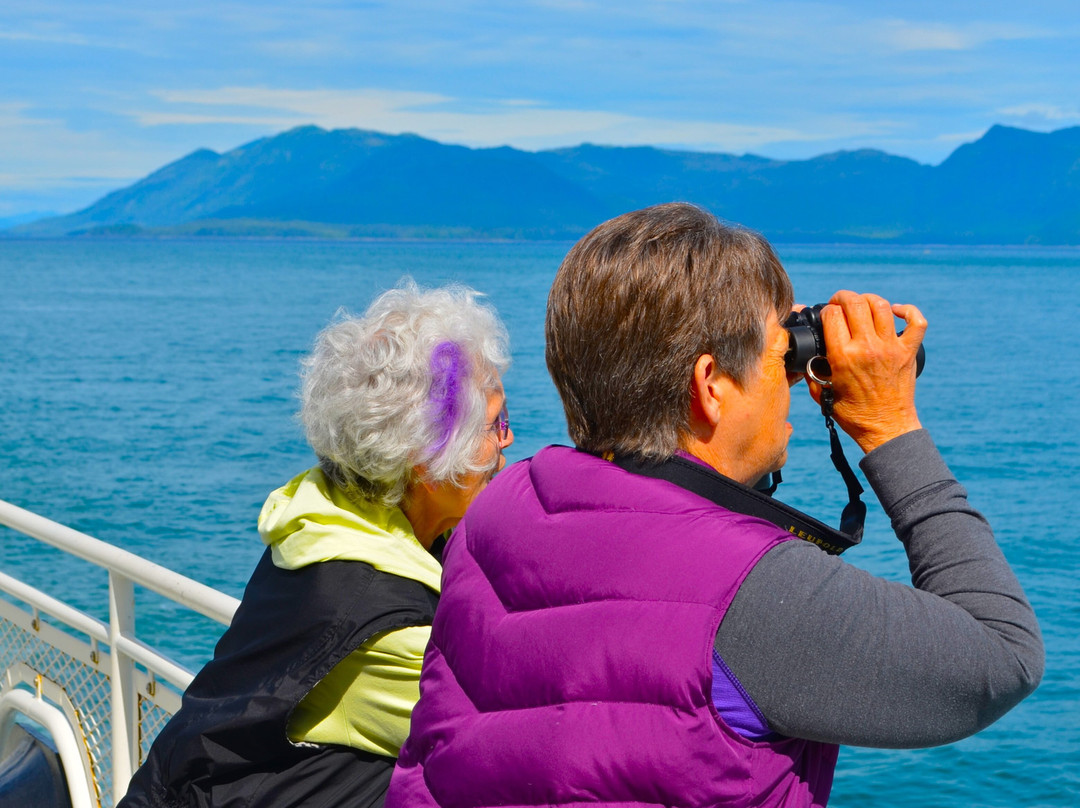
(708, 483)
(853, 517)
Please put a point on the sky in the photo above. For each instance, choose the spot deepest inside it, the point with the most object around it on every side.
(95, 95)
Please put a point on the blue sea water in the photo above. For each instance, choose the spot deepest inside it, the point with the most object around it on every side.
(147, 393)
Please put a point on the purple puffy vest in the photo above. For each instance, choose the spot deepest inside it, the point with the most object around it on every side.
(570, 656)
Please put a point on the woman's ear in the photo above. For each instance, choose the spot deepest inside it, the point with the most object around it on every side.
(420, 477)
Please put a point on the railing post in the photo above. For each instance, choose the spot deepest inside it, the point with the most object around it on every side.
(124, 714)
(126, 570)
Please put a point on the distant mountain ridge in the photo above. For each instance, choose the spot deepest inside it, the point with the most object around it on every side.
(1011, 186)
(23, 218)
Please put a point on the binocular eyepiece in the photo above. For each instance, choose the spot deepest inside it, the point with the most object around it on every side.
(806, 341)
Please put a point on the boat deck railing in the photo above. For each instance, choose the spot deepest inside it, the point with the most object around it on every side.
(102, 694)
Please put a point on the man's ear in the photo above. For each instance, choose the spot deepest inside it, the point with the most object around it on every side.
(711, 393)
(705, 404)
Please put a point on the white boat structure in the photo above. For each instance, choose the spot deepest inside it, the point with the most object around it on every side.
(81, 699)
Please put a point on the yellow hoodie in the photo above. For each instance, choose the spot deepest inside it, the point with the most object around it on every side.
(367, 699)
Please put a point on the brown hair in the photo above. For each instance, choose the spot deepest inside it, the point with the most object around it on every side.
(635, 303)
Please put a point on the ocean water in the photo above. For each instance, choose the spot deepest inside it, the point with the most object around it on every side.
(147, 397)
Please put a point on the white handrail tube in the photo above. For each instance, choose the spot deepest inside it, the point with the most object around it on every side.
(80, 621)
(67, 746)
(201, 598)
(162, 666)
(125, 570)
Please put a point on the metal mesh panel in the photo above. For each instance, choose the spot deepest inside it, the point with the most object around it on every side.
(89, 692)
(152, 718)
(87, 688)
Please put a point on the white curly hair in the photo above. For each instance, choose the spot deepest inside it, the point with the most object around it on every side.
(405, 385)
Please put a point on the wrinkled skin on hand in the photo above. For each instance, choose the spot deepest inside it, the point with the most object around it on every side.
(873, 369)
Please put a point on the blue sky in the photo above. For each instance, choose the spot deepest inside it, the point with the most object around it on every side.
(94, 95)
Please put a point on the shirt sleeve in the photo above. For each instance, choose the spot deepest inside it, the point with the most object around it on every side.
(831, 653)
(366, 701)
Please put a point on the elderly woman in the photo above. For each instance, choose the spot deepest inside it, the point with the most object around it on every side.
(308, 697)
(614, 629)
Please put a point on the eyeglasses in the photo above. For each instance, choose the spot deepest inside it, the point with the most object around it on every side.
(501, 425)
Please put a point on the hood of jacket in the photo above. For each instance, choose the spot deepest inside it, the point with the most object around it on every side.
(309, 520)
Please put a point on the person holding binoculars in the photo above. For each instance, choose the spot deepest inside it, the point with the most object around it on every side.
(629, 622)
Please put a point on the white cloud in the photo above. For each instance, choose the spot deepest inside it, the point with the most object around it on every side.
(524, 124)
(905, 37)
(1049, 113)
(192, 119)
(55, 35)
(902, 35)
(957, 138)
(56, 39)
(12, 114)
(38, 152)
(303, 102)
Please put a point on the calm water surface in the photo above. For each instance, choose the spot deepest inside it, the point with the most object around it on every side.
(147, 393)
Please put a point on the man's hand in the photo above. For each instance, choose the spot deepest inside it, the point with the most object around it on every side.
(873, 369)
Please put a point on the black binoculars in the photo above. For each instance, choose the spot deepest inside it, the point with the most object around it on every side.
(806, 341)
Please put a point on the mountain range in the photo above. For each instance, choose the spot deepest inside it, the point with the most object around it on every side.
(1011, 186)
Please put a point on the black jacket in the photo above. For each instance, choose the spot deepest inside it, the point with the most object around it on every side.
(227, 745)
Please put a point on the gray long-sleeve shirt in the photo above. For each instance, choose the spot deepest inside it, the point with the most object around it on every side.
(831, 653)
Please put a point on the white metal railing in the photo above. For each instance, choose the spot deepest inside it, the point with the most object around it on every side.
(132, 689)
(33, 706)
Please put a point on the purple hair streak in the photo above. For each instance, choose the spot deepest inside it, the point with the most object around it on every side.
(449, 369)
